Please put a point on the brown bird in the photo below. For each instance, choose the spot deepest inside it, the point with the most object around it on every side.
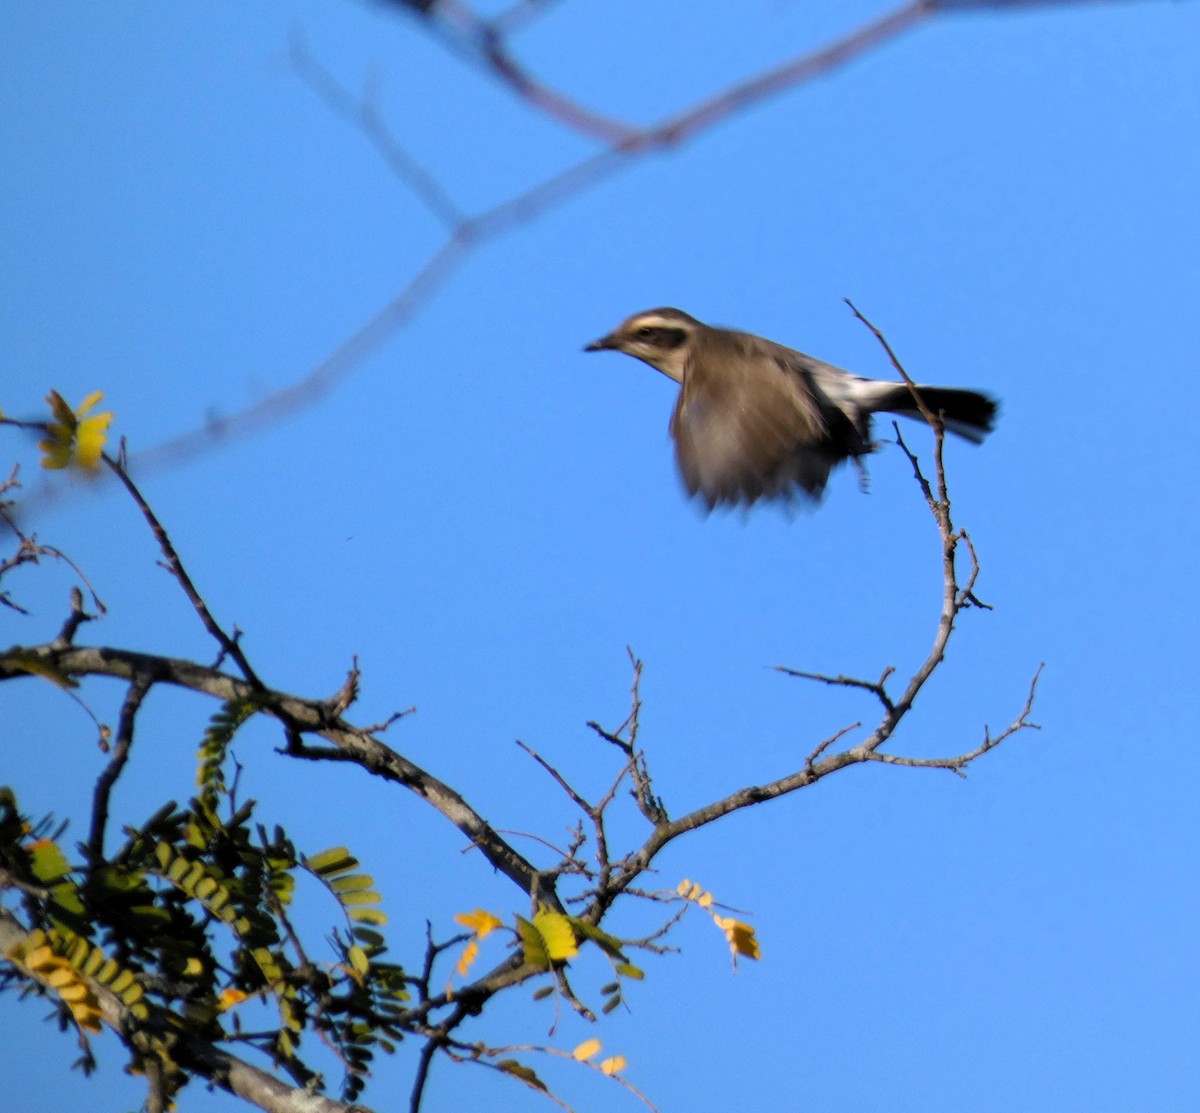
(757, 420)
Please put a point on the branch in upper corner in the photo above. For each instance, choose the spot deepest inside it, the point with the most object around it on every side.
(467, 233)
(519, 15)
(364, 111)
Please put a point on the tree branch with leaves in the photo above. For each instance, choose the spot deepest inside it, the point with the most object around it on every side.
(166, 937)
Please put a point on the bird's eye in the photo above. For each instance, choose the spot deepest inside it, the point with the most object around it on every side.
(646, 332)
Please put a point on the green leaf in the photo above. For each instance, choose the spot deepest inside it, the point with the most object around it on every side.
(519, 1070)
(367, 916)
(532, 944)
(48, 862)
(336, 859)
(122, 982)
(351, 882)
(609, 944)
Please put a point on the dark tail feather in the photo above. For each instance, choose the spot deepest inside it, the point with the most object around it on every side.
(965, 412)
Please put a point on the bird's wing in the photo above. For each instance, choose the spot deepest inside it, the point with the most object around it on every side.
(748, 423)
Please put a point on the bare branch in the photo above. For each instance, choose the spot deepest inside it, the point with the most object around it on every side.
(364, 113)
(833, 739)
(485, 42)
(518, 15)
(421, 1078)
(875, 687)
(136, 693)
(302, 716)
(990, 741)
(559, 779)
(75, 619)
(175, 566)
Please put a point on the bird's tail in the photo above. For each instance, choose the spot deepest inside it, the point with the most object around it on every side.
(968, 413)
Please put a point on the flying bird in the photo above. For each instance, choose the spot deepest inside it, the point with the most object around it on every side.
(755, 420)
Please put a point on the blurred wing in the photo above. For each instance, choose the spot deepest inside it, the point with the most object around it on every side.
(748, 425)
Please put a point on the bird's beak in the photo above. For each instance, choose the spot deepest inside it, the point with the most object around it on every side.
(605, 343)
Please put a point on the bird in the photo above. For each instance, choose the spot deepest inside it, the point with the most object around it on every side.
(756, 420)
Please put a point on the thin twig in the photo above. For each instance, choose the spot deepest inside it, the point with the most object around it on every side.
(559, 779)
(138, 688)
(833, 739)
(365, 113)
(990, 741)
(875, 687)
(175, 566)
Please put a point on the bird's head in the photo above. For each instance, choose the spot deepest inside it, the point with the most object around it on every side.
(659, 337)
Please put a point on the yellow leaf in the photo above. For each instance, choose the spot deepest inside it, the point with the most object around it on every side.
(87, 1018)
(73, 991)
(40, 957)
(558, 935)
(74, 437)
(481, 922)
(689, 890)
(228, 998)
(740, 935)
(613, 1065)
(468, 957)
(586, 1050)
(59, 976)
(91, 400)
(90, 438)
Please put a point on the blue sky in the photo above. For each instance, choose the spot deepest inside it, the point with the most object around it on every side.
(486, 517)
